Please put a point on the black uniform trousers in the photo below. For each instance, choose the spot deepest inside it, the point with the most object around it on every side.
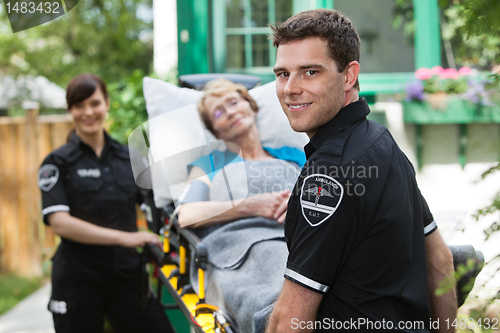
(90, 282)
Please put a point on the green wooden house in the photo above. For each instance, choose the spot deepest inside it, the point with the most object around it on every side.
(231, 36)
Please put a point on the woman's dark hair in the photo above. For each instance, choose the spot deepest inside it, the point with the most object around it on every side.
(82, 87)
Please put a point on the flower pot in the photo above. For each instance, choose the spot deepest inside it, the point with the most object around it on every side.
(449, 110)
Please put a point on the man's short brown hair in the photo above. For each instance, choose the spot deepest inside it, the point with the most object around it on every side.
(328, 24)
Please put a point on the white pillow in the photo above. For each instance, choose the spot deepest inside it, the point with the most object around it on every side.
(183, 134)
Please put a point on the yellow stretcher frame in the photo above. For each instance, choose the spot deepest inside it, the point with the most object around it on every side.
(179, 245)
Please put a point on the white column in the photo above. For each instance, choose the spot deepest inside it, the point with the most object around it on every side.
(165, 36)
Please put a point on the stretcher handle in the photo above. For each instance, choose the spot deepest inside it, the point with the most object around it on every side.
(223, 322)
(201, 251)
(463, 255)
(198, 81)
(158, 254)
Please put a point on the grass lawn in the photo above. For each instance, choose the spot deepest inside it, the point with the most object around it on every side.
(14, 288)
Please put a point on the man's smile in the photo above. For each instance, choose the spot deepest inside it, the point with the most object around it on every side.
(298, 107)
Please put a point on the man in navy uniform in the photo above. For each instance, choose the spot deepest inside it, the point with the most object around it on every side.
(357, 227)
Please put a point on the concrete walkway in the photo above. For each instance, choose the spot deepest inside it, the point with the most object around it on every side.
(30, 315)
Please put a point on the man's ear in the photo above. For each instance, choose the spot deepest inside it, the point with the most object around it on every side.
(351, 75)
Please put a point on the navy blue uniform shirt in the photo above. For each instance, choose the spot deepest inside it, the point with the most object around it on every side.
(100, 190)
(355, 225)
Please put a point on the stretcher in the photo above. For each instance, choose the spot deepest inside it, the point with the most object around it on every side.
(183, 250)
(182, 245)
(173, 262)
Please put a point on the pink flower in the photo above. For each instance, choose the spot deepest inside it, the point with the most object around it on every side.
(436, 70)
(465, 71)
(449, 73)
(423, 73)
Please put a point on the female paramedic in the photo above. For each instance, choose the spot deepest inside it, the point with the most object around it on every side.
(89, 199)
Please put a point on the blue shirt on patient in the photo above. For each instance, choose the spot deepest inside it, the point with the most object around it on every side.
(212, 163)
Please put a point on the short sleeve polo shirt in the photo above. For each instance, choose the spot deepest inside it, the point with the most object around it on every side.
(356, 222)
(100, 190)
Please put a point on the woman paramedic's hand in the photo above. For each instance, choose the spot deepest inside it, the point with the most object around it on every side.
(139, 238)
(267, 204)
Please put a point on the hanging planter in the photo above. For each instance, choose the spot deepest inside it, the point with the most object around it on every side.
(450, 109)
(448, 96)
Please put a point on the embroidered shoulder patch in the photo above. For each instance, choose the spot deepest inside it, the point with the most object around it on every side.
(320, 197)
(48, 175)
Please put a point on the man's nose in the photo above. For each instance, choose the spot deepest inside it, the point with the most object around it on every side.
(292, 86)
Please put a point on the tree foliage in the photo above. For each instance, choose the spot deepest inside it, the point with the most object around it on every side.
(470, 26)
(480, 17)
(127, 106)
(111, 38)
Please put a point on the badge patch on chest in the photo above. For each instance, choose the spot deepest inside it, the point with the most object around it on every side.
(92, 173)
(320, 197)
(48, 175)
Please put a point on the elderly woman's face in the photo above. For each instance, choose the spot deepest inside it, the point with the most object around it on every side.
(230, 114)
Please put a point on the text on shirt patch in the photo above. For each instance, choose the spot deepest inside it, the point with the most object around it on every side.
(326, 181)
(48, 175)
(320, 197)
(58, 307)
(93, 173)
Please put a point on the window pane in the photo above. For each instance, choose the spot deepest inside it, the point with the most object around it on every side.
(235, 13)
(284, 9)
(260, 50)
(383, 49)
(236, 51)
(259, 13)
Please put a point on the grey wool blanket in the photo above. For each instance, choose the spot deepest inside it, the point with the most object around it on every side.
(247, 257)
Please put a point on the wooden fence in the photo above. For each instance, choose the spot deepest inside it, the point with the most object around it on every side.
(25, 243)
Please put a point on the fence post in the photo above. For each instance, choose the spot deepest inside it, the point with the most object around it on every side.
(31, 239)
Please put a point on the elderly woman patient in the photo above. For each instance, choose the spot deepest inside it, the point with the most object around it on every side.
(247, 185)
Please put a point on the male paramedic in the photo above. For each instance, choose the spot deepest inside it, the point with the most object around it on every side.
(357, 227)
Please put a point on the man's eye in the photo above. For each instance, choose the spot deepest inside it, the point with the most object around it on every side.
(282, 74)
(311, 72)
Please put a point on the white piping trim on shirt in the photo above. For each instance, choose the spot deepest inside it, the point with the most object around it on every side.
(430, 227)
(306, 281)
(318, 207)
(56, 208)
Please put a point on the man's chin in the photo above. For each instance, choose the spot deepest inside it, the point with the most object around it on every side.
(298, 127)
